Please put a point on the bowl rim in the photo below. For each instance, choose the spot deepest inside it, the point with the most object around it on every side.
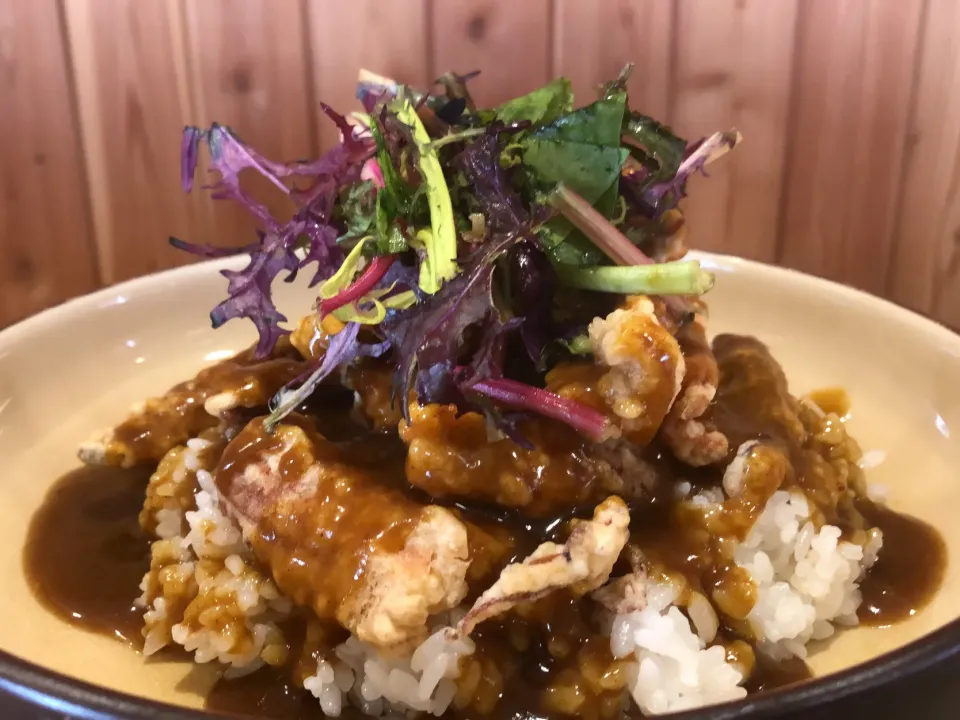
(44, 688)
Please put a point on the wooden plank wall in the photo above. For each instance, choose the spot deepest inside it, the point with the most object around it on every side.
(850, 110)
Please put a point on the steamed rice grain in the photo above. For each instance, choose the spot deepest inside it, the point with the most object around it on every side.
(675, 670)
(807, 578)
(203, 593)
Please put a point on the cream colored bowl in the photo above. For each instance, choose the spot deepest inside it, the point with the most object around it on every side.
(76, 368)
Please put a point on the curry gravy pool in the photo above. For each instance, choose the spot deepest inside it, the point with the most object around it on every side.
(86, 554)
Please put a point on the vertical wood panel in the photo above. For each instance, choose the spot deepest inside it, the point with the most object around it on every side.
(733, 69)
(925, 270)
(853, 92)
(249, 67)
(128, 57)
(507, 40)
(46, 244)
(850, 166)
(593, 40)
(389, 38)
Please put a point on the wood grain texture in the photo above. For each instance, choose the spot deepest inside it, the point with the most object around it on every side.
(853, 91)
(249, 70)
(129, 62)
(592, 41)
(850, 110)
(734, 61)
(46, 241)
(389, 38)
(507, 40)
(925, 269)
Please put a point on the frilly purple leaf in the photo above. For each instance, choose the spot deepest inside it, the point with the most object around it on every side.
(480, 164)
(428, 338)
(308, 238)
(533, 284)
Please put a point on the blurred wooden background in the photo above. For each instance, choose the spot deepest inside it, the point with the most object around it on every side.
(850, 111)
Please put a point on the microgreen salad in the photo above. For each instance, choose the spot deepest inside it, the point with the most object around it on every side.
(469, 246)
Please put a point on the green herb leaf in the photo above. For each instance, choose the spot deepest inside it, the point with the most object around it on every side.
(580, 149)
(359, 206)
(579, 345)
(393, 241)
(598, 123)
(543, 105)
(654, 145)
(590, 170)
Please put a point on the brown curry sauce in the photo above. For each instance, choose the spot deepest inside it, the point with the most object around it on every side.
(86, 554)
(180, 414)
(87, 528)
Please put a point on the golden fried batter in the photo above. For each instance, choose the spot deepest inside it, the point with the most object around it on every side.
(164, 422)
(338, 541)
(638, 371)
(372, 380)
(453, 456)
(583, 563)
(691, 436)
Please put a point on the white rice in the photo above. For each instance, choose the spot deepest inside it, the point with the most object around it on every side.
(212, 534)
(169, 581)
(707, 496)
(238, 586)
(807, 579)
(420, 682)
(168, 517)
(675, 670)
(168, 522)
(807, 582)
(210, 581)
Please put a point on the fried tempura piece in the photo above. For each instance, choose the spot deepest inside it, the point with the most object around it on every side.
(638, 371)
(753, 399)
(372, 380)
(339, 542)
(310, 338)
(691, 436)
(756, 472)
(187, 409)
(583, 563)
(627, 593)
(623, 595)
(453, 456)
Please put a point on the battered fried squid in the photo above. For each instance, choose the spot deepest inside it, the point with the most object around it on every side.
(687, 429)
(338, 541)
(636, 375)
(187, 409)
(753, 398)
(455, 456)
(583, 563)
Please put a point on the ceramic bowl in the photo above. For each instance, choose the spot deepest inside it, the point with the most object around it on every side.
(78, 367)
